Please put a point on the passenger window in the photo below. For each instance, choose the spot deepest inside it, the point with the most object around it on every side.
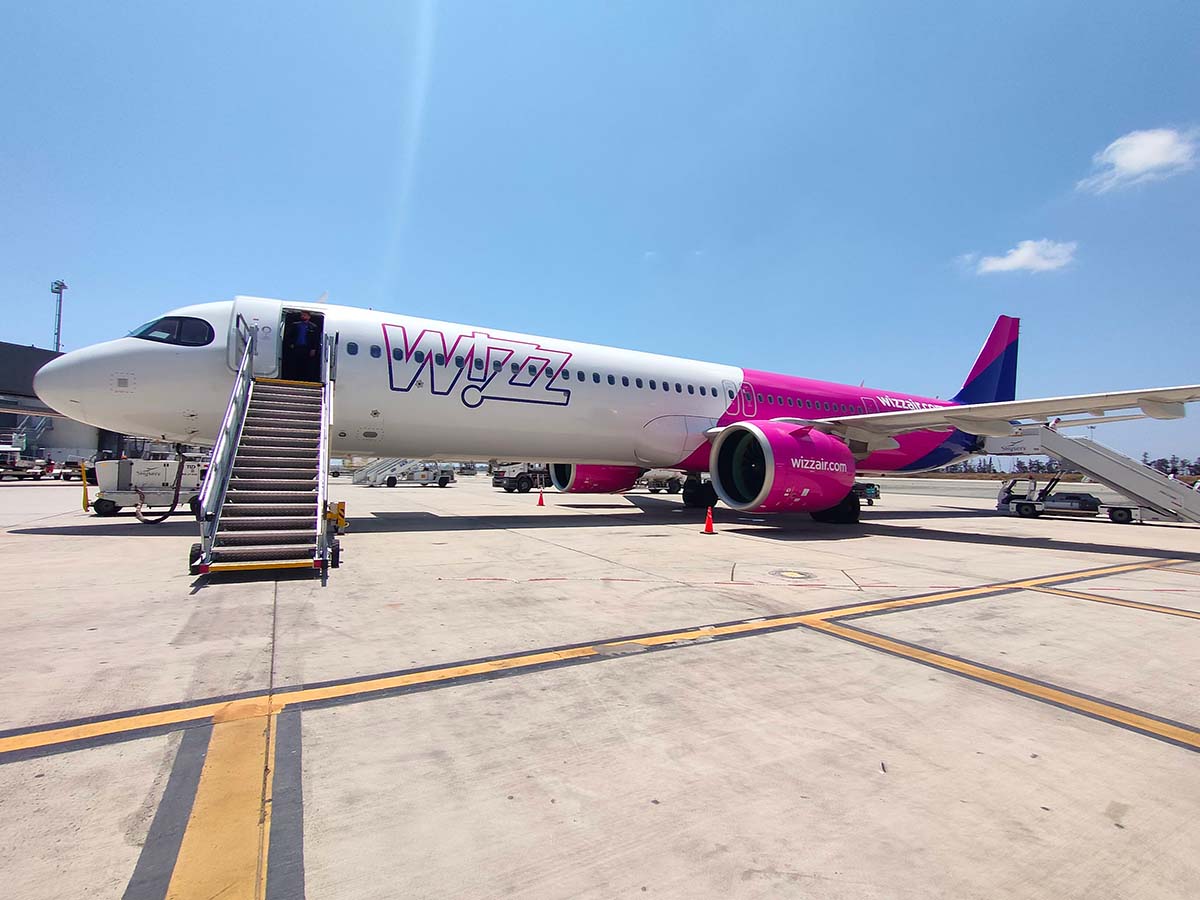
(625, 381)
(770, 399)
(678, 388)
(579, 375)
(702, 391)
(352, 348)
(495, 365)
(789, 401)
(533, 370)
(376, 351)
(516, 367)
(691, 389)
(596, 377)
(730, 392)
(397, 354)
(714, 392)
(808, 403)
(612, 380)
(478, 363)
(440, 359)
(666, 385)
(458, 361)
(653, 385)
(760, 398)
(419, 356)
(565, 374)
(638, 382)
(827, 406)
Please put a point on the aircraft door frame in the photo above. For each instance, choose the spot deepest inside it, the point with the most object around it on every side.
(869, 405)
(266, 316)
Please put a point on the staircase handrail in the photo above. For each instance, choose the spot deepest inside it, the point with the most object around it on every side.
(220, 466)
(328, 376)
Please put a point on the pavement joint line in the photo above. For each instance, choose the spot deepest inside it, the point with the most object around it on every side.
(131, 724)
(1116, 601)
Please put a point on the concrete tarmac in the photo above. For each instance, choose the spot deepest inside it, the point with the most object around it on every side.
(592, 699)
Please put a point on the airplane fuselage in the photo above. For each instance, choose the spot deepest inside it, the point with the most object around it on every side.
(422, 388)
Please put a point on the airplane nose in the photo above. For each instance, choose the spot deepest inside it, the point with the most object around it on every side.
(62, 383)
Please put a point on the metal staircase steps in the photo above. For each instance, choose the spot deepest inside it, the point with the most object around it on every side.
(269, 515)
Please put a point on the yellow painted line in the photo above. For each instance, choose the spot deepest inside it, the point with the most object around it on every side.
(233, 710)
(263, 566)
(1028, 583)
(1132, 604)
(1185, 571)
(224, 711)
(268, 787)
(219, 854)
(287, 381)
(1180, 734)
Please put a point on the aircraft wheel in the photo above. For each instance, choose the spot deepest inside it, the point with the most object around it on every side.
(391, 481)
(674, 486)
(1120, 515)
(524, 484)
(104, 507)
(845, 513)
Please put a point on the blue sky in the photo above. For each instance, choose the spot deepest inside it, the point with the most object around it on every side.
(809, 188)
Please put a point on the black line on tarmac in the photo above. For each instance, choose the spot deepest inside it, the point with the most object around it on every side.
(285, 853)
(156, 863)
(996, 685)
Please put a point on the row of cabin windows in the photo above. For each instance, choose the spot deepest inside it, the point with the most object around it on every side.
(771, 399)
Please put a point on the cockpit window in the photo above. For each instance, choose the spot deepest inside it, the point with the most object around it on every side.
(182, 330)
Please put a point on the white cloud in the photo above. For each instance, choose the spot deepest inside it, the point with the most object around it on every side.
(1030, 256)
(1141, 156)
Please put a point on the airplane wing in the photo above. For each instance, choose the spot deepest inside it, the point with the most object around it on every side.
(999, 419)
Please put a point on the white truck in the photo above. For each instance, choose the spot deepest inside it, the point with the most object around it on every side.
(521, 477)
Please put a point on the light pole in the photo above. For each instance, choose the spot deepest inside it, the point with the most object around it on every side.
(57, 288)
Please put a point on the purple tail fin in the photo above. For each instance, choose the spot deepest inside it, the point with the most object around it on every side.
(993, 378)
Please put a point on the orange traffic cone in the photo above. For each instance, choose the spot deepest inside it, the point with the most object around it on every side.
(541, 499)
(708, 529)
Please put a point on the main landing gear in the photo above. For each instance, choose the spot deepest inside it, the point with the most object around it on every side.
(699, 494)
(845, 513)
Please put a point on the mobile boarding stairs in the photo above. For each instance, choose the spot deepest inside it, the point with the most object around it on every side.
(263, 503)
(1146, 487)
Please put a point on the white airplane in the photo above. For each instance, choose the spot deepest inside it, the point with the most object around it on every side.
(421, 388)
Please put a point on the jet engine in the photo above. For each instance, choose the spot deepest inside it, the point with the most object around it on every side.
(573, 479)
(767, 466)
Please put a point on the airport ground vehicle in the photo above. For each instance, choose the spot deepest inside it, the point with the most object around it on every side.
(392, 471)
(521, 477)
(1022, 497)
(658, 480)
(22, 469)
(867, 491)
(125, 482)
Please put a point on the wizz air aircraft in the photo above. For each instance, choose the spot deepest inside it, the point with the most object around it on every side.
(425, 389)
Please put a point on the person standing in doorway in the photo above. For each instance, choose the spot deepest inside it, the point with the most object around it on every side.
(302, 346)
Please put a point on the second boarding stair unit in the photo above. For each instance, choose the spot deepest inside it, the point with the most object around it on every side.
(1147, 487)
(264, 501)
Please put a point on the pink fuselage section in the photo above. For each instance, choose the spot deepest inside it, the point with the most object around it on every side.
(770, 395)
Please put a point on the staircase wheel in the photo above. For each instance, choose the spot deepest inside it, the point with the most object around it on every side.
(194, 560)
(1120, 515)
(391, 481)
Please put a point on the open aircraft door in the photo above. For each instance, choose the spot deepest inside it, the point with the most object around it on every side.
(265, 315)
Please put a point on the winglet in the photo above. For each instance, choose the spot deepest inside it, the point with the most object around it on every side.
(993, 378)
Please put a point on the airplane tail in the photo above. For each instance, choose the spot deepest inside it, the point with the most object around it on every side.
(993, 378)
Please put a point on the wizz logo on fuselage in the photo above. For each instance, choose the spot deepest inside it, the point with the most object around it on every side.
(477, 366)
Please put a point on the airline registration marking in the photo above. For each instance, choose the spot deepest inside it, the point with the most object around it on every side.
(475, 367)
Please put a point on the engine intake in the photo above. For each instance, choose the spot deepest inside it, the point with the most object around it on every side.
(768, 466)
(572, 479)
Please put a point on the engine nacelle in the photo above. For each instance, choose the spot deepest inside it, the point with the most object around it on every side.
(776, 467)
(572, 479)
